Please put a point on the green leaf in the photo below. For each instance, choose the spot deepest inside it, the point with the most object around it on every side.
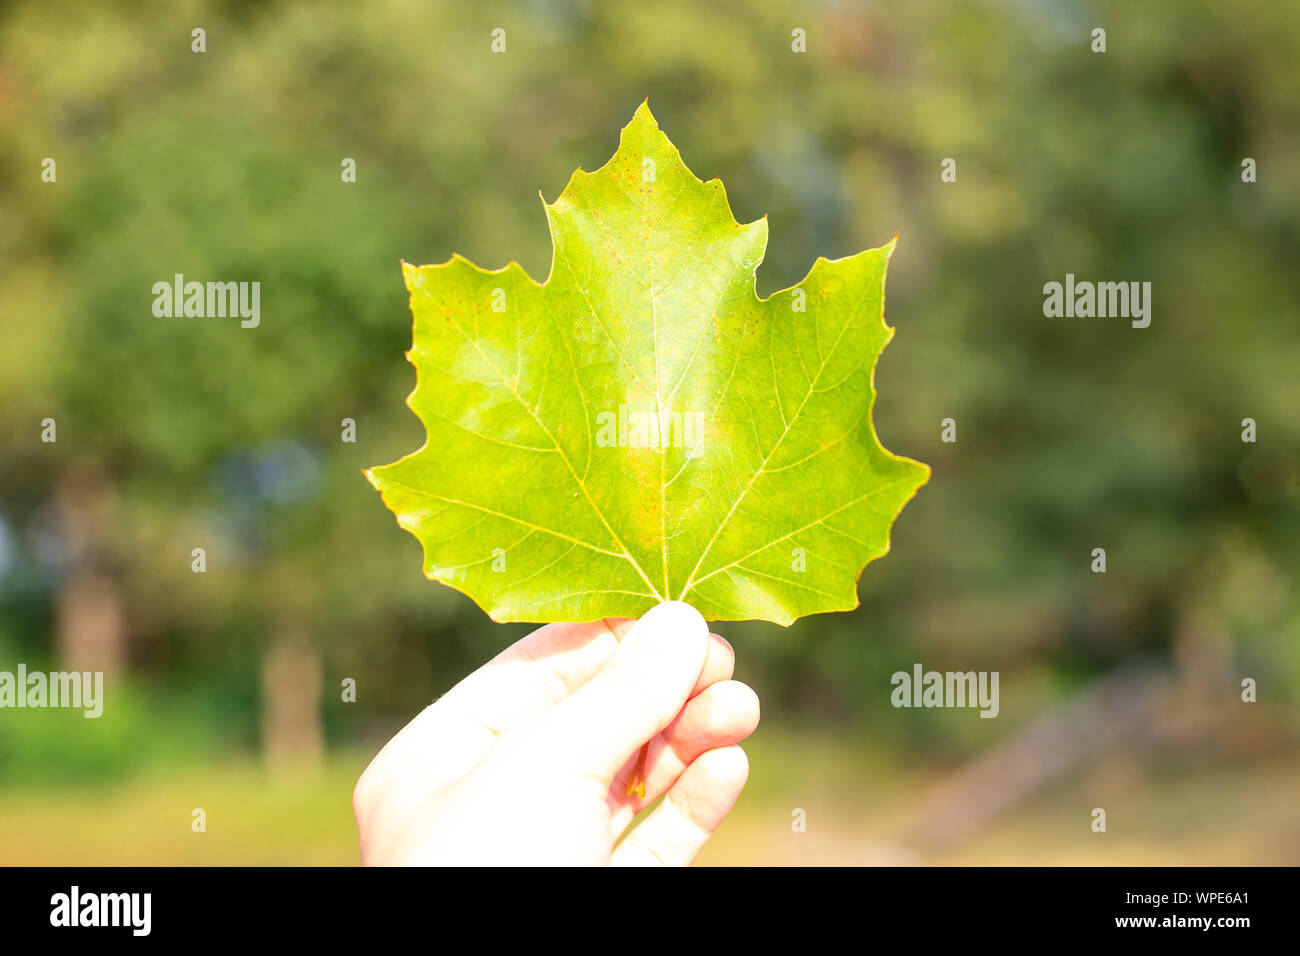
(641, 426)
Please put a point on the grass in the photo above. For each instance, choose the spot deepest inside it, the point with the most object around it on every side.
(1210, 815)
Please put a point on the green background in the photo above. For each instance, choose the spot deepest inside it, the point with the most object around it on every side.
(1118, 690)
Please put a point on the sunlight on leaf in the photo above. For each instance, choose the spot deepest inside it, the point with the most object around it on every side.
(641, 426)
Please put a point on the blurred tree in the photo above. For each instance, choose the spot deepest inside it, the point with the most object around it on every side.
(1072, 434)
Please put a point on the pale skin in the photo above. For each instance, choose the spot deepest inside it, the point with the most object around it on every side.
(527, 760)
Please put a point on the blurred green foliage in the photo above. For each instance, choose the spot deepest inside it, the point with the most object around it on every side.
(1072, 434)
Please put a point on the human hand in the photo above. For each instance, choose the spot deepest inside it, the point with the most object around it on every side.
(527, 760)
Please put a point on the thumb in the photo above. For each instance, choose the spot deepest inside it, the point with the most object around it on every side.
(634, 696)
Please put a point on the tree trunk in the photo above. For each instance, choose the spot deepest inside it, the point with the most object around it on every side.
(292, 732)
(89, 632)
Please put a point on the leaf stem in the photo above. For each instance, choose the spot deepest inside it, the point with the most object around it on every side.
(636, 783)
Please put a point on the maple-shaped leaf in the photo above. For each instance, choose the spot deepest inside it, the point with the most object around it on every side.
(641, 426)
